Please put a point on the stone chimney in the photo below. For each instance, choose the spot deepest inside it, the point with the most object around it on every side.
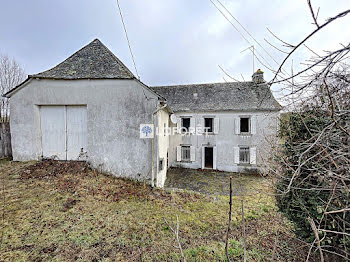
(258, 77)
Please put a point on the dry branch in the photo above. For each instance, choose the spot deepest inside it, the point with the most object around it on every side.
(177, 238)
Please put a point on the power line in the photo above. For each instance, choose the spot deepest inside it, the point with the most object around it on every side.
(247, 32)
(269, 66)
(127, 38)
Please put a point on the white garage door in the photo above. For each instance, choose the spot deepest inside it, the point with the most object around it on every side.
(76, 131)
(64, 131)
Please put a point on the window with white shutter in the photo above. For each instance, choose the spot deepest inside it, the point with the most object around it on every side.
(209, 125)
(193, 153)
(253, 155)
(244, 154)
(253, 125)
(185, 153)
(244, 125)
(236, 154)
(178, 153)
(185, 125)
(216, 125)
(202, 125)
(192, 125)
(178, 125)
(237, 127)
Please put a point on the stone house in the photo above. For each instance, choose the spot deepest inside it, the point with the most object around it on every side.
(91, 107)
(224, 126)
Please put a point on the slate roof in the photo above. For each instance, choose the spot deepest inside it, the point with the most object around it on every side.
(240, 96)
(93, 61)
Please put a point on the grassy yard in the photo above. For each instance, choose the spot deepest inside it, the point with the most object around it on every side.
(54, 211)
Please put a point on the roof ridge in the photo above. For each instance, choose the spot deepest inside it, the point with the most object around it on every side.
(114, 56)
(94, 60)
(203, 84)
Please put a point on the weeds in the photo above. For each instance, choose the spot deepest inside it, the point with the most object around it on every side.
(66, 212)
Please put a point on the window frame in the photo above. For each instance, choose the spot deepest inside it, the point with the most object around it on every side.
(247, 151)
(249, 125)
(187, 147)
(182, 125)
(212, 125)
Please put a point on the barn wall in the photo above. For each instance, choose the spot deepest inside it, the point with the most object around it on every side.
(226, 140)
(115, 109)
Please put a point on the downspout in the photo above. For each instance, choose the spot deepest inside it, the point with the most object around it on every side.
(155, 112)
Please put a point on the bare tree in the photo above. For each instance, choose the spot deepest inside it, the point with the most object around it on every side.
(11, 75)
(313, 163)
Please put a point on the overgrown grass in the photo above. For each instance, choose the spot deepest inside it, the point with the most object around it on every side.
(66, 212)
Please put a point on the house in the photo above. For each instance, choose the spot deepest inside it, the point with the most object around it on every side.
(224, 126)
(91, 107)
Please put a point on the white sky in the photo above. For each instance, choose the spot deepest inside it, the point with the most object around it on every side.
(174, 41)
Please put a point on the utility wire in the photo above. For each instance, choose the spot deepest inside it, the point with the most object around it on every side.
(223, 14)
(127, 38)
(247, 32)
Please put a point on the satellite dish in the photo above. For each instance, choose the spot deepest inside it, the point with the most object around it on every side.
(173, 119)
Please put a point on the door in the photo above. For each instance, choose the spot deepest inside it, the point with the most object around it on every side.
(76, 132)
(64, 132)
(53, 132)
(208, 158)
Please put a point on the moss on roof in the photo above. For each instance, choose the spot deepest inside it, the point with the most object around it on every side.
(93, 61)
(238, 96)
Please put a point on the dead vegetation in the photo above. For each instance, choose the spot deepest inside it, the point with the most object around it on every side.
(64, 211)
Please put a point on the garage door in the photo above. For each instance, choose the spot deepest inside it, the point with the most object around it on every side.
(64, 132)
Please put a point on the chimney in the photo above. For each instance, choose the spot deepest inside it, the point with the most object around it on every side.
(258, 77)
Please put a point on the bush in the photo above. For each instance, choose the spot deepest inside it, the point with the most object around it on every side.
(314, 177)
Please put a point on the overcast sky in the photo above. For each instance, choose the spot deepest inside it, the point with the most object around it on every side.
(174, 41)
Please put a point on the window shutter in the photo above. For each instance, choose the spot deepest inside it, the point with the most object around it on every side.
(215, 151)
(203, 156)
(192, 125)
(252, 155)
(193, 154)
(253, 125)
(216, 125)
(202, 124)
(178, 153)
(178, 125)
(236, 154)
(237, 125)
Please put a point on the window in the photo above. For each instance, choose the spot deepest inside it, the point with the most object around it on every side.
(186, 123)
(161, 164)
(185, 153)
(208, 125)
(244, 155)
(244, 125)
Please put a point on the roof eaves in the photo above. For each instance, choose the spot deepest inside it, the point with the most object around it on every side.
(17, 88)
(150, 89)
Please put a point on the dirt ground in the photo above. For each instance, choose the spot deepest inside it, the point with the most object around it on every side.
(213, 182)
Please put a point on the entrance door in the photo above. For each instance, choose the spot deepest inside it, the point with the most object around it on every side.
(63, 131)
(53, 132)
(208, 157)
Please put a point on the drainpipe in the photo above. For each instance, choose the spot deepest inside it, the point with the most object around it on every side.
(153, 150)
